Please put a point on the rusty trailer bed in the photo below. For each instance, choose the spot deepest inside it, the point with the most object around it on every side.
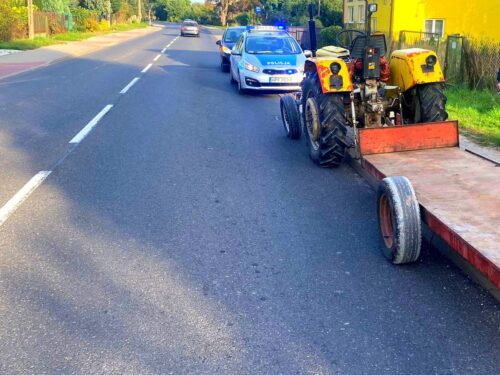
(459, 196)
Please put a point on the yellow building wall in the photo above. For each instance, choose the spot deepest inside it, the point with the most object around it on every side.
(479, 19)
(476, 18)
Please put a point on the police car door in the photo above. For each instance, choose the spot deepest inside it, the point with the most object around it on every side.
(235, 58)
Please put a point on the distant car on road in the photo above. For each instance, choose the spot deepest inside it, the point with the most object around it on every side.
(230, 37)
(189, 27)
(266, 59)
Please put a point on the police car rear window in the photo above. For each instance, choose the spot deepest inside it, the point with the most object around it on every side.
(271, 45)
(232, 36)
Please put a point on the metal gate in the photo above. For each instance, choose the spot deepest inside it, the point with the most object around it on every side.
(416, 39)
(453, 63)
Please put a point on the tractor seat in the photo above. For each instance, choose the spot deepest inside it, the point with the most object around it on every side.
(359, 45)
(333, 51)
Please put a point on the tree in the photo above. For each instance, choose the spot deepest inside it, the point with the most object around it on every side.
(58, 6)
(222, 7)
(102, 6)
(172, 10)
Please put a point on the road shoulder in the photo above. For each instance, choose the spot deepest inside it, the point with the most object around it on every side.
(16, 63)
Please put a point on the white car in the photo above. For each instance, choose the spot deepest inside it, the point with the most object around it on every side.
(267, 59)
(189, 27)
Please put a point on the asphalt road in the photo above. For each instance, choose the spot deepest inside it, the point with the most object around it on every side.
(186, 235)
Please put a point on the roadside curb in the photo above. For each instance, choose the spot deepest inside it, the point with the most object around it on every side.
(488, 153)
(68, 56)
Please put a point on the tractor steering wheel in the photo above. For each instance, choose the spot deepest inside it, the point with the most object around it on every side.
(345, 38)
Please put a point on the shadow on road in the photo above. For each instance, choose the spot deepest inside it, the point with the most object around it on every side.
(188, 235)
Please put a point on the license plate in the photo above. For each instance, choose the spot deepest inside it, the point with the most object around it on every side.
(280, 79)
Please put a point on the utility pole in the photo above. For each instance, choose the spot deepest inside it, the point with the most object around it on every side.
(31, 25)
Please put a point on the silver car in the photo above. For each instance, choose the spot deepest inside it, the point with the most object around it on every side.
(267, 60)
(189, 27)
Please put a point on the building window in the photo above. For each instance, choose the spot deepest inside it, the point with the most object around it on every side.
(361, 15)
(434, 27)
(350, 14)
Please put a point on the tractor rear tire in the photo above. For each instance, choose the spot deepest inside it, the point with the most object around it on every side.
(290, 117)
(329, 150)
(399, 220)
(432, 102)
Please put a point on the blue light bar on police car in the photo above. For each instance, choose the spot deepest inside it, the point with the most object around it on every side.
(265, 28)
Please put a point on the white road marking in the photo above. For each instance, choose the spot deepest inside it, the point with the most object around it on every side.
(88, 128)
(173, 40)
(14, 202)
(132, 83)
(146, 68)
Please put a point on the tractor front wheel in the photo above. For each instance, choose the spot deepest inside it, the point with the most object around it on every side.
(290, 117)
(325, 125)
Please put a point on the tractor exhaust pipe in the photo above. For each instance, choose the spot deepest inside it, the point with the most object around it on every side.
(312, 30)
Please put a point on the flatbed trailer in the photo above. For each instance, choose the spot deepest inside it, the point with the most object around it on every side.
(458, 192)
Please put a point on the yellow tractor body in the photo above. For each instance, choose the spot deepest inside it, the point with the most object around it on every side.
(411, 67)
(331, 82)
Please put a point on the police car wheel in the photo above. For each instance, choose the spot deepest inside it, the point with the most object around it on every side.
(224, 67)
(241, 90)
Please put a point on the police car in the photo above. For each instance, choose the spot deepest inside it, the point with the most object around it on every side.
(266, 58)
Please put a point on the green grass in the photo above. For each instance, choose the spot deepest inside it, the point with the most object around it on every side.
(26, 44)
(478, 113)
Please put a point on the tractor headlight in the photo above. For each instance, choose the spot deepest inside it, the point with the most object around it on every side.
(251, 67)
(335, 68)
(431, 60)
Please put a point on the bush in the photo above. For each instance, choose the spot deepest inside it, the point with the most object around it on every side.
(104, 25)
(56, 23)
(85, 19)
(91, 24)
(13, 22)
(328, 35)
(482, 59)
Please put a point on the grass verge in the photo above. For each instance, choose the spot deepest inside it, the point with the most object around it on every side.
(26, 44)
(477, 112)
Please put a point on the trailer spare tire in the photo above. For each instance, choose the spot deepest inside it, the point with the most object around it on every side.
(399, 220)
(290, 117)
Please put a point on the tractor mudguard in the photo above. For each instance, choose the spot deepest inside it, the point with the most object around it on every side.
(415, 66)
(330, 82)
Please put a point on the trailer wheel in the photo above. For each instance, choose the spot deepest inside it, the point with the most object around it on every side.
(428, 103)
(290, 117)
(325, 125)
(399, 220)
